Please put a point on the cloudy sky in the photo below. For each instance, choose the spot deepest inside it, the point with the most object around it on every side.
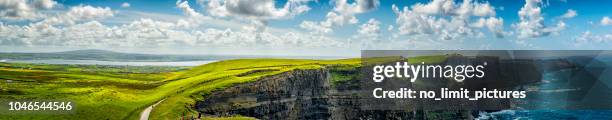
(302, 27)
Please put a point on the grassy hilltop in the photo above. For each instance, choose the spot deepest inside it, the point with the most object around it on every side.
(114, 92)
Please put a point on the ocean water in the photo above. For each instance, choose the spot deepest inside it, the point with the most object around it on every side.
(583, 93)
(547, 115)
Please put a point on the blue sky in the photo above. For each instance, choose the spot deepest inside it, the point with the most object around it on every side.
(302, 27)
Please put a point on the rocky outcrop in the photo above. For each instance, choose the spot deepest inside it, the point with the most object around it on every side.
(309, 94)
(300, 94)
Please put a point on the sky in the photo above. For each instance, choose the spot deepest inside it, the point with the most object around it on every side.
(302, 27)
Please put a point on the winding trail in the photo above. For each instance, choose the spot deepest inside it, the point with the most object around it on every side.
(144, 115)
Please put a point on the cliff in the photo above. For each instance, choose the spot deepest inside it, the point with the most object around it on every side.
(303, 94)
(299, 94)
(318, 94)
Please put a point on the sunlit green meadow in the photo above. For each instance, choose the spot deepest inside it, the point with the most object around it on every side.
(122, 92)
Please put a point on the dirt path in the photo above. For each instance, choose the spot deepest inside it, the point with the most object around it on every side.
(144, 115)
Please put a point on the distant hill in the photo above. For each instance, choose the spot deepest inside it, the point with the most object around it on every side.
(103, 55)
(90, 51)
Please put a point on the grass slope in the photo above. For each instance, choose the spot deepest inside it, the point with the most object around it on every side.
(111, 92)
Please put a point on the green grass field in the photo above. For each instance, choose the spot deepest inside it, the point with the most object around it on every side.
(120, 92)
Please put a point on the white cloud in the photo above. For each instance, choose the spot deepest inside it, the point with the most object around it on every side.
(368, 35)
(569, 14)
(531, 23)
(449, 7)
(315, 27)
(359, 6)
(345, 12)
(588, 37)
(24, 9)
(335, 19)
(15, 9)
(193, 19)
(89, 12)
(493, 24)
(151, 33)
(79, 26)
(606, 21)
(215, 7)
(342, 13)
(187, 10)
(78, 13)
(434, 7)
(44, 4)
(447, 20)
(390, 28)
(370, 29)
(125, 5)
(482, 10)
(254, 9)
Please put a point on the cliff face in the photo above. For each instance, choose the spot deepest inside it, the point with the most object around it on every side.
(309, 94)
(299, 94)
